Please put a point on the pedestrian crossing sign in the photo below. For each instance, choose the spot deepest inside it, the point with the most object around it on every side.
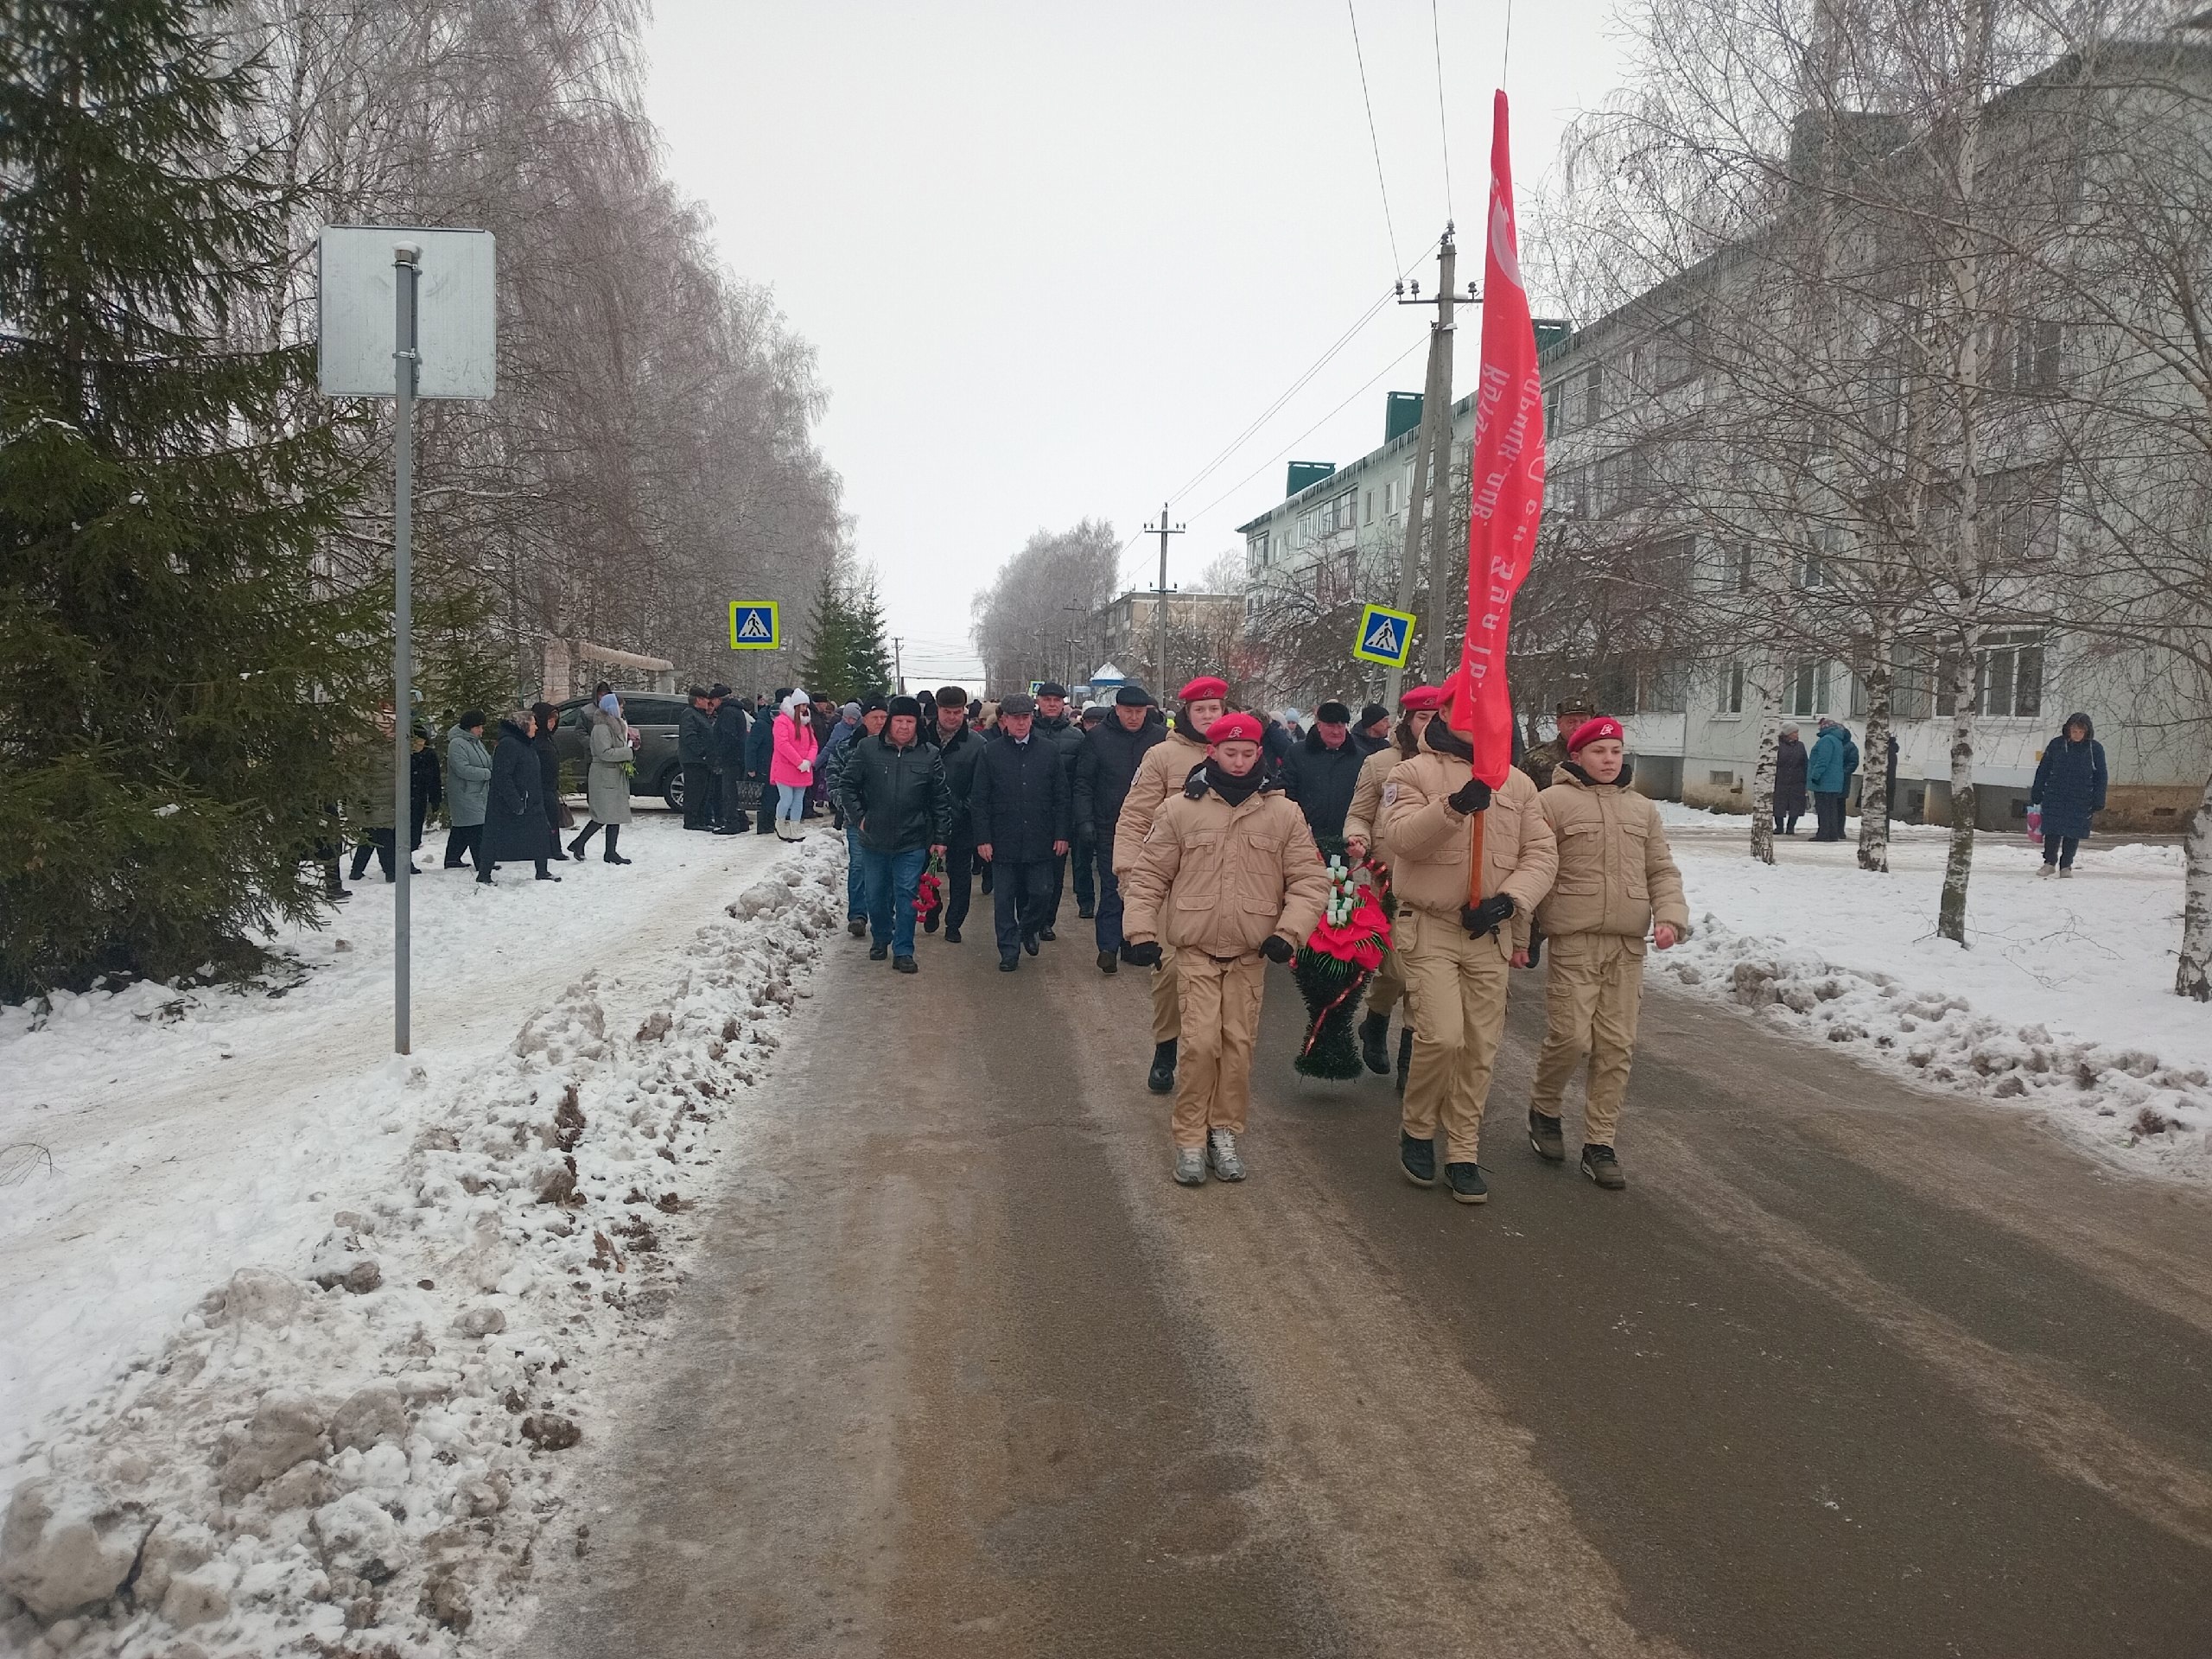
(753, 627)
(1385, 637)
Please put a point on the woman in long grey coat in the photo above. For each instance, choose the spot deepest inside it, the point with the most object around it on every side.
(468, 786)
(514, 822)
(607, 785)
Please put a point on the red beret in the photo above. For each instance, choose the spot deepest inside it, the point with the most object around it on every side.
(1203, 687)
(1417, 698)
(1590, 731)
(1231, 729)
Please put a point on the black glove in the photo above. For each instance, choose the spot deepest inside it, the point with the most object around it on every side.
(1142, 956)
(1473, 796)
(1276, 948)
(1490, 915)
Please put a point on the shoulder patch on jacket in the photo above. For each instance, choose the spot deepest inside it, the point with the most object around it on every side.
(1389, 794)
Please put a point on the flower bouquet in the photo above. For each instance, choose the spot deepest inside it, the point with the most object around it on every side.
(928, 894)
(1336, 962)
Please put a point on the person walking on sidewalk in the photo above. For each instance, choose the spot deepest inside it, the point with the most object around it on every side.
(548, 720)
(1051, 727)
(1020, 809)
(1455, 944)
(1102, 774)
(1828, 770)
(894, 795)
(2070, 786)
(731, 727)
(1322, 774)
(606, 783)
(425, 783)
(1791, 762)
(514, 822)
(792, 768)
(960, 748)
(1617, 882)
(1364, 839)
(873, 713)
(1159, 776)
(1228, 875)
(469, 785)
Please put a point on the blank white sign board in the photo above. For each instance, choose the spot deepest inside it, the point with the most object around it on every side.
(456, 317)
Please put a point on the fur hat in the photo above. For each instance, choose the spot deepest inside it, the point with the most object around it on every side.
(910, 707)
(1332, 713)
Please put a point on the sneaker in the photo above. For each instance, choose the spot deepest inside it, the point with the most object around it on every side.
(1007, 965)
(904, 965)
(1109, 962)
(857, 926)
(1047, 934)
(929, 923)
(1601, 1167)
(1086, 911)
(1375, 1043)
(2047, 869)
(2065, 871)
(1189, 1165)
(1544, 1135)
(1418, 1158)
(878, 952)
(1162, 1078)
(1466, 1184)
(1405, 1056)
(1029, 943)
(952, 936)
(1221, 1153)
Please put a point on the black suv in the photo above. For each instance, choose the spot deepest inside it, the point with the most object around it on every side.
(655, 716)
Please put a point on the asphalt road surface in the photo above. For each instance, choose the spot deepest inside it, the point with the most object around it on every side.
(1847, 1370)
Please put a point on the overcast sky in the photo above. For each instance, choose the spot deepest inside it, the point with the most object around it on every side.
(1055, 258)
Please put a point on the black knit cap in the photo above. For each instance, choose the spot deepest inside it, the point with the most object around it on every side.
(870, 703)
(903, 705)
(1373, 712)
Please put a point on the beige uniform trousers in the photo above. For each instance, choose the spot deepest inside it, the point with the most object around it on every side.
(1167, 996)
(1221, 1021)
(1455, 1000)
(1388, 985)
(1595, 989)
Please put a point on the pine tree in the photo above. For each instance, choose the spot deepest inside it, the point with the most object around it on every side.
(182, 697)
(828, 668)
(868, 658)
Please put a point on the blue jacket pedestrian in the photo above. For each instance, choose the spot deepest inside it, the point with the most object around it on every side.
(1835, 758)
(2069, 783)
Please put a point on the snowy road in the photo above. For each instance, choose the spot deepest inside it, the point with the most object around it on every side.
(1850, 1369)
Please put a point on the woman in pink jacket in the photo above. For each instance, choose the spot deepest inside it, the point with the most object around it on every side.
(793, 768)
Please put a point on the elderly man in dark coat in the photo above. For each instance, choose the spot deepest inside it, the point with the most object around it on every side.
(515, 828)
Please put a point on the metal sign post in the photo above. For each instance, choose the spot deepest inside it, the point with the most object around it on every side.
(445, 349)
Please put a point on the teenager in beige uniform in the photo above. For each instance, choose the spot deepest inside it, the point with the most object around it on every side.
(1617, 882)
(1159, 777)
(1455, 956)
(1362, 836)
(1228, 875)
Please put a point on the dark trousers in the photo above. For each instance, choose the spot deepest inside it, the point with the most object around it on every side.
(1059, 887)
(1086, 866)
(463, 838)
(733, 815)
(2060, 850)
(763, 820)
(698, 795)
(1828, 809)
(379, 842)
(1108, 924)
(959, 881)
(417, 810)
(1785, 824)
(1021, 899)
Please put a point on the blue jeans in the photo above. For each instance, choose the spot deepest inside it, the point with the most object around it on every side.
(790, 801)
(855, 876)
(893, 880)
(1108, 923)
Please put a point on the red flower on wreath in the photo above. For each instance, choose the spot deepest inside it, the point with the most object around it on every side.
(929, 895)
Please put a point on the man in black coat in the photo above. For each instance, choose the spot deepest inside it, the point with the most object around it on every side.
(1051, 726)
(1022, 807)
(1102, 772)
(514, 815)
(896, 805)
(1373, 732)
(730, 731)
(695, 752)
(1322, 770)
(958, 744)
(1789, 761)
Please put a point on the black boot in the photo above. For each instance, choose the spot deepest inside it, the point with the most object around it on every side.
(1162, 1078)
(584, 839)
(1405, 1056)
(544, 874)
(611, 856)
(1375, 1043)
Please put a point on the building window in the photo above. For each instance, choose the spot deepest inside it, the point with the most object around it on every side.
(2021, 508)
(1370, 506)
(1554, 409)
(1389, 499)
(1594, 395)
(2026, 356)
(2007, 680)
(1805, 687)
(1732, 690)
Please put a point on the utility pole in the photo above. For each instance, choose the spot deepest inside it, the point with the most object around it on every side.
(1431, 457)
(1162, 529)
(898, 663)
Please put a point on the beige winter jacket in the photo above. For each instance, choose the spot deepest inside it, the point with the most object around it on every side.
(1430, 843)
(1615, 874)
(1219, 879)
(1159, 775)
(1362, 818)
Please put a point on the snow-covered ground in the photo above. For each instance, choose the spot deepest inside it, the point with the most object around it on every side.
(2063, 1000)
(239, 1233)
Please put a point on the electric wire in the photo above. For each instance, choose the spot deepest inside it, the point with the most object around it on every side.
(1361, 59)
(1443, 130)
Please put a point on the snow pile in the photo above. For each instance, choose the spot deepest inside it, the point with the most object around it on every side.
(360, 1452)
(2063, 1003)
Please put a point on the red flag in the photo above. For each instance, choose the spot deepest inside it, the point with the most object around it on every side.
(1508, 473)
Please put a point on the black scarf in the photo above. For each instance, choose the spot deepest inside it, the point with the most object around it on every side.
(1441, 738)
(1621, 782)
(1235, 791)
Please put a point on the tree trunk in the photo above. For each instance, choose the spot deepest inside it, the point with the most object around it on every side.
(1874, 791)
(2193, 978)
(1770, 672)
(1951, 918)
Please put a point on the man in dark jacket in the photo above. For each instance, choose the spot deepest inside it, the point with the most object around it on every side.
(730, 732)
(1022, 807)
(514, 817)
(961, 747)
(695, 752)
(1790, 762)
(1051, 727)
(1372, 734)
(2071, 788)
(896, 803)
(760, 753)
(1324, 770)
(1102, 771)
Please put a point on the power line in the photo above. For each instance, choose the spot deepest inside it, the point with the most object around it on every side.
(1443, 130)
(1361, 59)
